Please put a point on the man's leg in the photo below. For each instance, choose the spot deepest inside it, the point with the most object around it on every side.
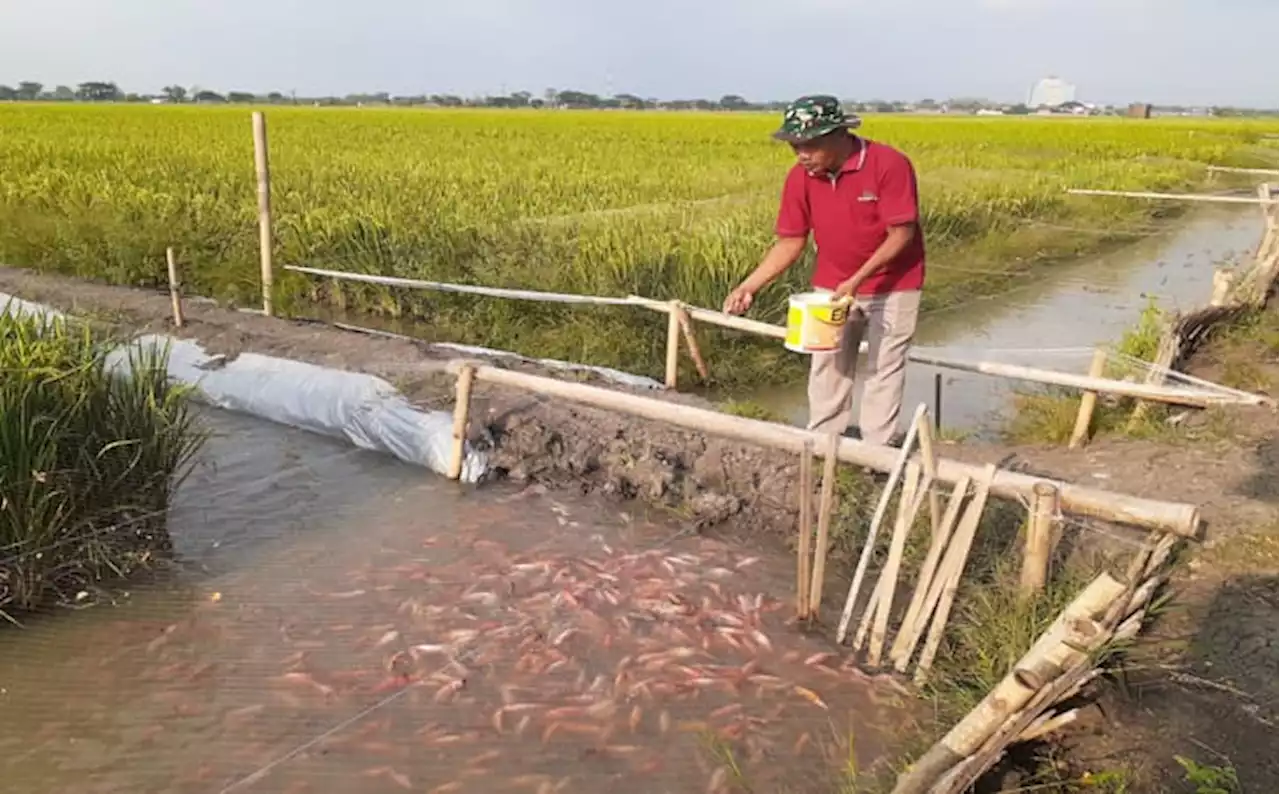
(891, 326)
(831, 381)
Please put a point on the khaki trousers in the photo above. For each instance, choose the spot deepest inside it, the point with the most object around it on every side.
(888, 322)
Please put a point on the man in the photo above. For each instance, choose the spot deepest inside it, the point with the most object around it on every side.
(858, 198)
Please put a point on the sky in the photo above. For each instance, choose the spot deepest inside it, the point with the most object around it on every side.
(1115, 51)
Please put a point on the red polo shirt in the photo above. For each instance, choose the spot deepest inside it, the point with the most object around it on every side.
(849, 214)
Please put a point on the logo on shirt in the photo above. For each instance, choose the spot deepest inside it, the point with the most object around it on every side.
(867, 195)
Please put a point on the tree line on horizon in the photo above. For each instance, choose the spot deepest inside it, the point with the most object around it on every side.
(107, 91)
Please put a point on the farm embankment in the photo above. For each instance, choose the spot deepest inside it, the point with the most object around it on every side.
(666, 205)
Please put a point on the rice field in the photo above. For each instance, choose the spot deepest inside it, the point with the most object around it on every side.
(667, 205)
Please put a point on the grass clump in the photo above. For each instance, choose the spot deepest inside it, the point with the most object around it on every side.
(88, 460)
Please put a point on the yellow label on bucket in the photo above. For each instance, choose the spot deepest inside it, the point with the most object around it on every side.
(815, 322)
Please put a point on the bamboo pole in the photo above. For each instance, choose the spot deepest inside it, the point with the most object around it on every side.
(1088, 400)
(824, 524)
(943, 591)
(889, 577)
(913, 623)
(1064, 646)
(929, 460)
(1173, 196)
(175, 286)
(691, 342)
(910, 485)
(873, 529)
(806, 531)
(673, 346)
(1222, 280)
(1229, 170)
(1142, 391)
(1035, 559)
(262, 168)
(1178, 518)
(461, 413)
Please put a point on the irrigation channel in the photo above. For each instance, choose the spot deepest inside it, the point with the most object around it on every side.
(1056, 321)
(340, 621)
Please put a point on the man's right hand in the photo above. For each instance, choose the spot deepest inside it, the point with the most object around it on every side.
(738, 301)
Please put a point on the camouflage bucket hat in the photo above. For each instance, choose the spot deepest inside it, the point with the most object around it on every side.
(812, 116)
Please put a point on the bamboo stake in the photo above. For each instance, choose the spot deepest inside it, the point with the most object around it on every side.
(929, 459)
(691, 342)
(1170, 341)
(889, 577)
(948, 578)
(1084, 417)
(806, 531)
(824, 524)
(914, 622)
(910, 485)
(873, 529)
(1222, 279)
(461, 413)
(262, 167)
(175, 287)
(1035, 560)
(673, 345)
(1170, 517)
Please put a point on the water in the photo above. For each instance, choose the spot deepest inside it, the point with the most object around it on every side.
(1055, 321)
(342, 622)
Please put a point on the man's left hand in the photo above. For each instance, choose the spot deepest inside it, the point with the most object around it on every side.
(847, 288)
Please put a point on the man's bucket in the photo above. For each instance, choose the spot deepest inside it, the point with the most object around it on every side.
(815, 322)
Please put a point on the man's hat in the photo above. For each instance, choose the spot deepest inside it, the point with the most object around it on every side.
(813, 116)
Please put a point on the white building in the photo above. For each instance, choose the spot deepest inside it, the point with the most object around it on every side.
(1051, 92)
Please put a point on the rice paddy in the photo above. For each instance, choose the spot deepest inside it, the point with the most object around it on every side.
(666, 205)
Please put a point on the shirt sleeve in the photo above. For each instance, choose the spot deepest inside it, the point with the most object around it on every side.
(899, 203)
(793, 211)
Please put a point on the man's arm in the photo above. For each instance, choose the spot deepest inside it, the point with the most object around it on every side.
(900, 208)
(792, 229)
(780, 256)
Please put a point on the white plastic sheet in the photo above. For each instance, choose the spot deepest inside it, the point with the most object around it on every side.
(367, 411)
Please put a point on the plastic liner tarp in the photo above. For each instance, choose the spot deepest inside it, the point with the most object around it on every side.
(365, 410)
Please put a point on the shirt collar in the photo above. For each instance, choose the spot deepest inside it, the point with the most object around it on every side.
(858, 158)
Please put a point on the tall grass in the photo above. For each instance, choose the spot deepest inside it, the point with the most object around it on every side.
(88, 460)
(660, 204)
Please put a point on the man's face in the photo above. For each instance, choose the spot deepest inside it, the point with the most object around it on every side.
(821, 155)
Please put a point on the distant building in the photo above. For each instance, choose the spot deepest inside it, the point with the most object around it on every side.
(1051, 92)
(1139, 110)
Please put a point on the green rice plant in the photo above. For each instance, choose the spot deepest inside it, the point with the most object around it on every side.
(88, 460)
(663, 204)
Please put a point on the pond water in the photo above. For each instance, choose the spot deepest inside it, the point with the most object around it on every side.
(337, 621)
